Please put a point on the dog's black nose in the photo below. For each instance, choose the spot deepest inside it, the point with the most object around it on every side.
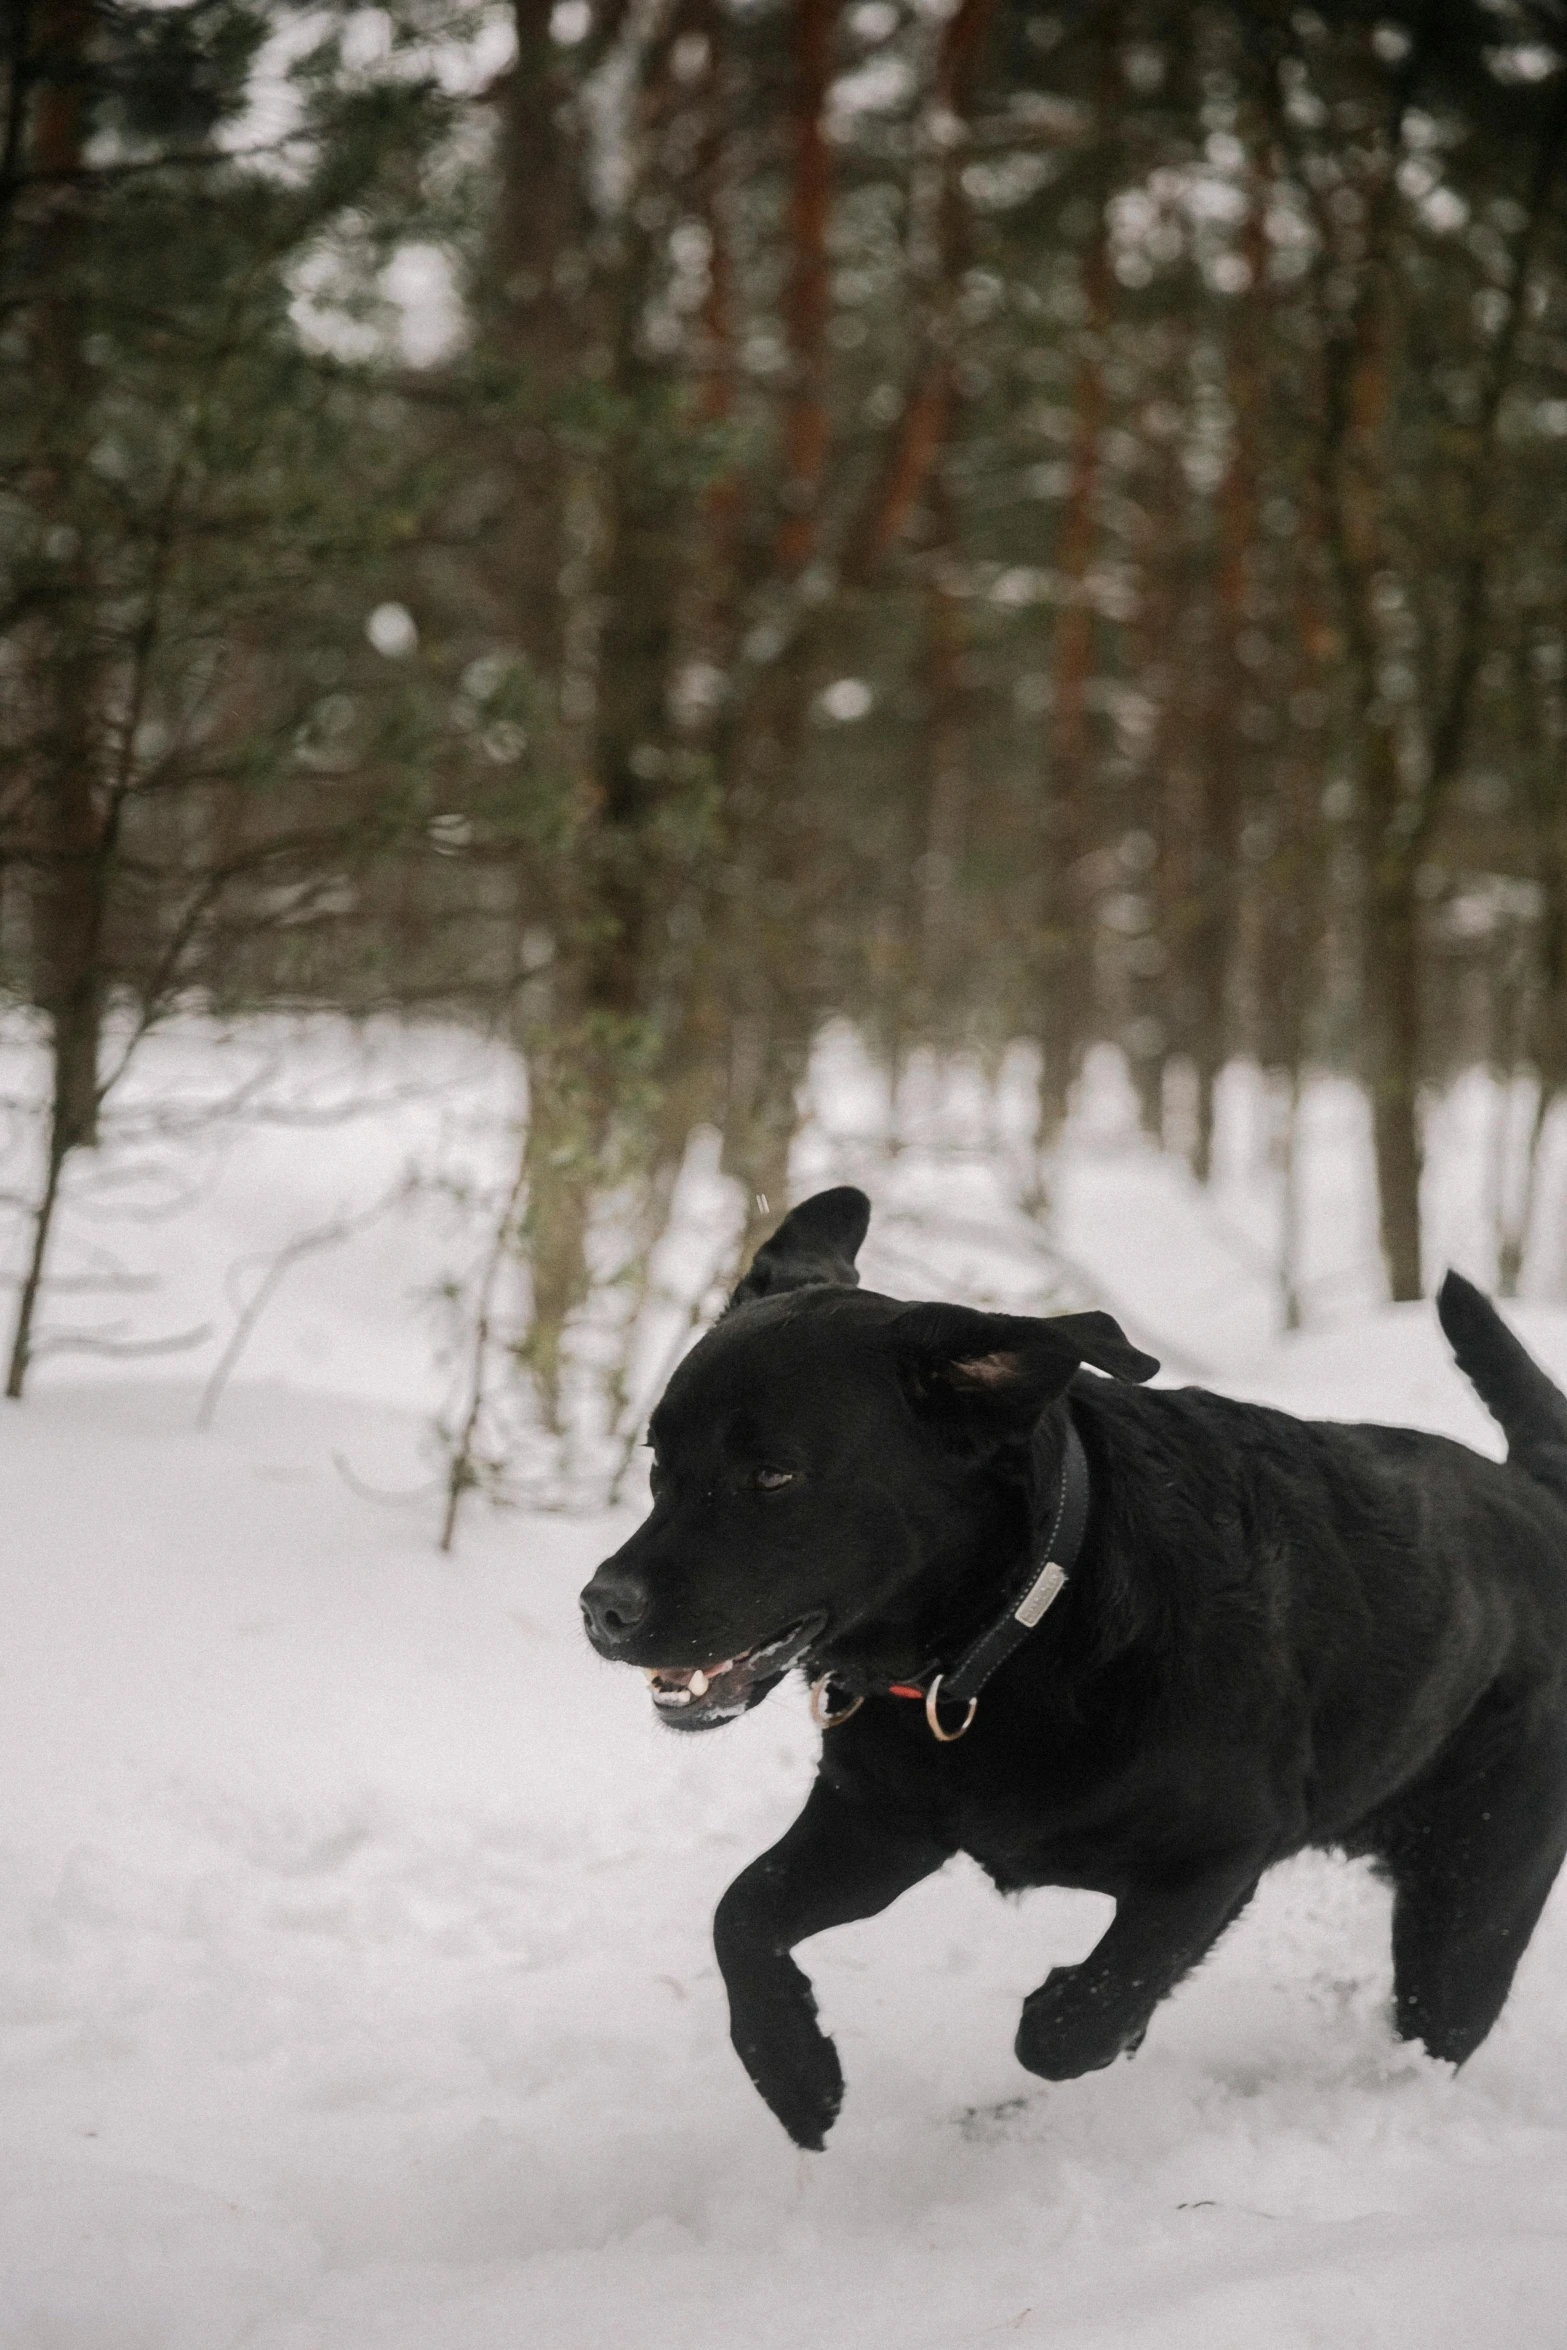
(613, 1605)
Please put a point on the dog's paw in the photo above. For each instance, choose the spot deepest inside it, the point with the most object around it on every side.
(794, 2068)
(1070, 2027)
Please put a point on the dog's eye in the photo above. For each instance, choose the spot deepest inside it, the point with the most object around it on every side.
(770, 1480)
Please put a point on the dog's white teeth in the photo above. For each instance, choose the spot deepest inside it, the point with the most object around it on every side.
(698, 1684)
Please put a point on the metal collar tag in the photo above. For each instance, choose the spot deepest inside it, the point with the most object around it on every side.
(1050, 1584)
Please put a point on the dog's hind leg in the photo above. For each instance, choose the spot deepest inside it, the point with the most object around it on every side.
(838, 1861)
(1083, 2017)
(1472, 1854)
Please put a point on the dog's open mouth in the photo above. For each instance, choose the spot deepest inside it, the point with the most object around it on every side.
(700, 1697)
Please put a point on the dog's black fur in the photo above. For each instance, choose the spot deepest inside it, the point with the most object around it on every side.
(1279, 1633)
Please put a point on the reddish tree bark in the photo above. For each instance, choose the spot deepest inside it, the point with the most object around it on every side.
(924, 422)
(808, 295)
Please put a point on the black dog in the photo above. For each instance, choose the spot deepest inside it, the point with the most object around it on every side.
(1273, 1633)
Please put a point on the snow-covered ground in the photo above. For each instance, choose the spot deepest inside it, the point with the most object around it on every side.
(355, 1984)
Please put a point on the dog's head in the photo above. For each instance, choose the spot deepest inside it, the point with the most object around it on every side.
(819, 1458)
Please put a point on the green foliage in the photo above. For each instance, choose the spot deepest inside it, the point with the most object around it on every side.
(198, 510)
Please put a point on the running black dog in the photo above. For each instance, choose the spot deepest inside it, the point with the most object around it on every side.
(1270, 1633)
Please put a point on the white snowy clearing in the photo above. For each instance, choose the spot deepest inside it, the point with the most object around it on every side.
(355, 1983)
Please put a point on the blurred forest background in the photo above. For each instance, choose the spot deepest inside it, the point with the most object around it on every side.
(647, 526)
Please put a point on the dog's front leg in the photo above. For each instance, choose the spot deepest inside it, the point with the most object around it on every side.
(837, 1862)
(1082, 2017)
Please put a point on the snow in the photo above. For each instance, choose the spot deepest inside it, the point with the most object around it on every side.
(355, 1983)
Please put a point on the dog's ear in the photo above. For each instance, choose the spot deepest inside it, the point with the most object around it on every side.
(814, 1247)
(995, 1373)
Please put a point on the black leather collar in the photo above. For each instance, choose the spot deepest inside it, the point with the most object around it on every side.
(1048, 1570)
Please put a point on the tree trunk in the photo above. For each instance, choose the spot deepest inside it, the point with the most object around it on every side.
(569, 1111)
(535, 288)
(766, 1071)
(1292, 1217)
(945, 785)
(67, 823)
(64, 824)
(1067, 790)
(1393, 1002)
(807, 296)
(32, 1280)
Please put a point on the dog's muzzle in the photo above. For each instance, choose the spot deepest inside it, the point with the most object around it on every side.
(703, 1697)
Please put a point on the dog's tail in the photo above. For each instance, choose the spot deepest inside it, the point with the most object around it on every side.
(1530, 1408)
